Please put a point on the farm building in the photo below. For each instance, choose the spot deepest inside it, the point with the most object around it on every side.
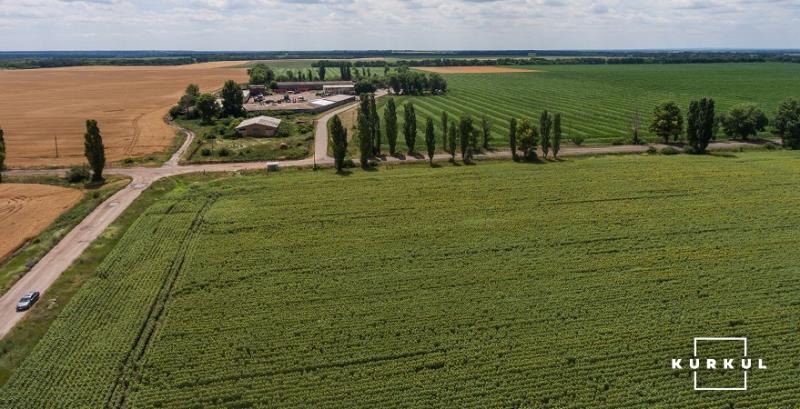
(257, 90)
(344, 89)
(324, 104)
(306, 86)
(259, 126)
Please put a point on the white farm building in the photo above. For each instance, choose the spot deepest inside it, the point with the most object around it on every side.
(259, 126)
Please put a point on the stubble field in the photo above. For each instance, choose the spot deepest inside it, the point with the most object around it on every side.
(27, 209)
(559, 285)
(42, 107)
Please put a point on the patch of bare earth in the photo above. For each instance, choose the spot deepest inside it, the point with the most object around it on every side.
(26, 210)
(42, 107)
(490, 69)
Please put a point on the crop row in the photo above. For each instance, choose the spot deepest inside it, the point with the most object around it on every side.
(500, 285)
(598, 102)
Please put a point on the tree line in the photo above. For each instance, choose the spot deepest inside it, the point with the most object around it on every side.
(402, 81)
(465, 135)
(526, 138)
(28, 60)
(741, 121)
(195, 104)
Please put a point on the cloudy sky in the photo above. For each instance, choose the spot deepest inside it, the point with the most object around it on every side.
(396, 24)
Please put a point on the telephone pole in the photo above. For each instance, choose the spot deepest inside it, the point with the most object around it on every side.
(55, 138)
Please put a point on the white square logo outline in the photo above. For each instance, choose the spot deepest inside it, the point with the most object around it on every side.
(726, 339)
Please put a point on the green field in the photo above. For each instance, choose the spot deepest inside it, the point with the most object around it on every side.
(598, 101)
(559, 285)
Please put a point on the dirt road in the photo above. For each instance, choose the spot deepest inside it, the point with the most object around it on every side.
(50, 267)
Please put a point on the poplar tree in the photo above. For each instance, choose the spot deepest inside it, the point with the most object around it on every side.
(556, 134)
(452, 141)
(512, 138)
(94, 150)
(376, 126)
(707, 123)
(410, 127)
(486, 128)
(365, 133)
(339, 139)
(430, 139)
(465, 130)
(390, 118)
(545, 128)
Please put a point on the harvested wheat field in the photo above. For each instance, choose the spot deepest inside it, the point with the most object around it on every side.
(473, 70)
(130, 104)
(26, 210)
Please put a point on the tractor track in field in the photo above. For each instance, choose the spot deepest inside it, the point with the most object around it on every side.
(130, 370)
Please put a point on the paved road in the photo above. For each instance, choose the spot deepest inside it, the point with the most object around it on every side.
(50, 267)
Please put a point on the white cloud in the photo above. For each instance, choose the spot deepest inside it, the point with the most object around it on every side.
(399, 24)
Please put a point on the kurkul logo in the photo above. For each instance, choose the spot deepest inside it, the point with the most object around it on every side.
(708, 364)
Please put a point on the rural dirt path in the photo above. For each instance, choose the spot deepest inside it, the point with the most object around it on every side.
(50, 267)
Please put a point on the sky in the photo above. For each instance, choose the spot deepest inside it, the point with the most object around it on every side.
(267, 25)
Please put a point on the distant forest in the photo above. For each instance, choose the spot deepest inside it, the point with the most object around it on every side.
(48, 59)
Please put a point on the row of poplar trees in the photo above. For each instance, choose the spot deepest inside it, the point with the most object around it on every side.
(463, 135)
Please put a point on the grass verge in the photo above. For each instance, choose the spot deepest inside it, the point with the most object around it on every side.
(19, 263)
(18, 343)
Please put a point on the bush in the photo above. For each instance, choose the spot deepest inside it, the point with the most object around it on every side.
(224, 151)
(669, 150)
(652, 150)
(691, 150)
(205, 152)
(304, 128)
(78, 174)
(577, 140)
(772, 146)
(284, 129)
(175, 111)
(618, 142)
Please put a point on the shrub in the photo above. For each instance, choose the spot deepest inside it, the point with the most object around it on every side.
(577, 140)
(205, 152)
(772, 146)
(175, 111)
(669, 150)
(617, 142)
(224, 151)
(691, 150)
(78, 174)
(652, 150)
(284, 129)
(304, 128)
